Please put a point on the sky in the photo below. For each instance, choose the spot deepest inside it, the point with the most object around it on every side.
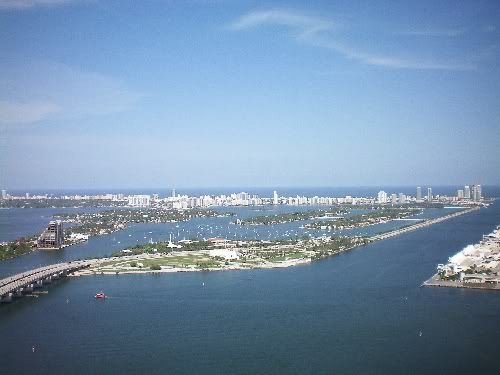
(127, 94)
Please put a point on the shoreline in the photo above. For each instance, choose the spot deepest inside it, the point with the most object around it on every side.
(94, 270)
(436, 282)
(475, 267)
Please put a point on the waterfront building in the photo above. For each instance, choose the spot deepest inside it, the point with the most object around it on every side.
(429, 194)
(460, 194)
(394, 198)
(139, 200)
(382, 197)
(467, 192)
(52, 237)
(419, 193)
(4, 194)
(173, 193)
(275, 197)
(476, 192)
(402, 198)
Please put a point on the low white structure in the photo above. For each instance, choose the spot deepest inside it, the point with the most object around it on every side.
(224, 253)
(78, 237)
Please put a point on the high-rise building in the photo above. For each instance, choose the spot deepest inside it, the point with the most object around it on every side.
(419, 193)
(4, 194)
(139, 200)
(382, 197)
(476, 192)
(460, 194)
(275, 197)
(402, 198)
(394, 198)
(466, 192)
(52, 237)
(173, 193)
(429, 194)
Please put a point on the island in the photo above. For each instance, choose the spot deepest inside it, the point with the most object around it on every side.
(109, 221)
(221, 254)
(58, 203)
(290, 217)
(81, 226)
(376, 216)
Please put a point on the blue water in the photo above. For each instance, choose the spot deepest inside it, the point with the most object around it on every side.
(362, 312)
(19, 222)
(99, 246)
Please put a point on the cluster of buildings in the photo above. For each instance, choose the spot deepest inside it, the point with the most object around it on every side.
(469, 193)
(246, 199)
(176, 201)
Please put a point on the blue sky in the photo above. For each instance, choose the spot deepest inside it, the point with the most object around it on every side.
(239, 93)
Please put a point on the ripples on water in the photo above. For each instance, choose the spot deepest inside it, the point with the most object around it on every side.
(362, 312)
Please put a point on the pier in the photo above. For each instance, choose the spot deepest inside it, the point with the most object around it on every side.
(25, 282)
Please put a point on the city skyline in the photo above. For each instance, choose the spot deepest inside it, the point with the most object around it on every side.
(99, 94)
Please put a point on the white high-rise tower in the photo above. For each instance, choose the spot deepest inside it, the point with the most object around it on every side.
(275, 197)
(467, 192)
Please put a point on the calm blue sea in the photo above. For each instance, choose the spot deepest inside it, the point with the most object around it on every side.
(362, 312)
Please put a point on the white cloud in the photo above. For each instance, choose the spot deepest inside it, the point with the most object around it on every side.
(451, 33)
(51, 91)
(12, 112)
(27, 4)
(281, 17)
(318, 32)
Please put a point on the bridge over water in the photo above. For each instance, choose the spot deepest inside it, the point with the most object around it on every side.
(424, 223)
(25, 282)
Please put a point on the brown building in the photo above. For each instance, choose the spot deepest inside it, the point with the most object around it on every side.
(52, 237)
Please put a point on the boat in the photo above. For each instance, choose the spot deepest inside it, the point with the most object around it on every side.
(100, 295)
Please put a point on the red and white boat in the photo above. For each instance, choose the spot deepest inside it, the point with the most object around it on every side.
(100, 295)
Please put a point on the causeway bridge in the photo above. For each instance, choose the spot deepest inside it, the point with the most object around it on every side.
(26, 282)
(424, 223)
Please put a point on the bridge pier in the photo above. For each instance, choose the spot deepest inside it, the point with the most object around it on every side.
(29, 288)
(6, 298)
(48, 280)
(38, 284)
